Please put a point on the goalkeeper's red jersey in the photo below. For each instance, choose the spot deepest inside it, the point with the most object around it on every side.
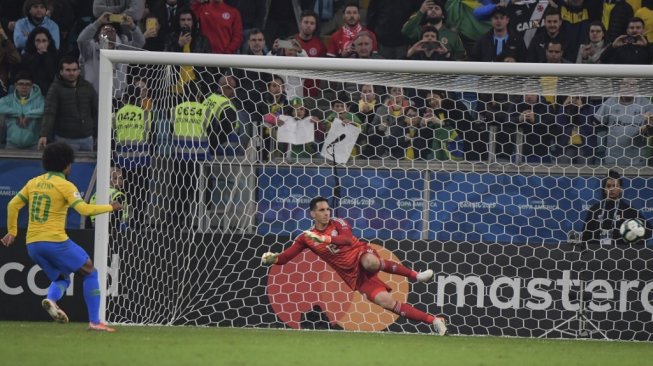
(342, 254)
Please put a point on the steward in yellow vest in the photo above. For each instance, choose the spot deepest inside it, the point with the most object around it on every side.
(132, 125)
(222, 112)
(190, 123)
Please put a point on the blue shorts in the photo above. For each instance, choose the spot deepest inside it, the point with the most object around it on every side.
(57, 259)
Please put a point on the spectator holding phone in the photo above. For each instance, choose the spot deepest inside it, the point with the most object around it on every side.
(590, 52)
(186, 36)
(112, 31)
(429, 47)
(630, 48)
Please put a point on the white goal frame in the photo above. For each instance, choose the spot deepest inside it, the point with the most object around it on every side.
(109, 58)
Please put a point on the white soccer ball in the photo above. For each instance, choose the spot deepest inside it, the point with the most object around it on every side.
(632, 230)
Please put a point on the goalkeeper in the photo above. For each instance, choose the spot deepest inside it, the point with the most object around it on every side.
(49, 196)
(355, 261)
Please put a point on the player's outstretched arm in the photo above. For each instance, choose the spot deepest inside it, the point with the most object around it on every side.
(269, 258)
(318, 238)
(87, 209)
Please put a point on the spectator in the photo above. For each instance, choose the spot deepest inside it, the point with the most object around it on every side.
(431, 13)
(151, 34)
(429, 47)
(400, 133)
(438, 135)
(460, 17)
(282, 17)
(9, 57)
(495, 110)
(339, 110)
(71, 109)
(364, 46)
(536, 122)
(615, 16)
(341, 43)
(256, 43)
(385, 18)
(308, 37)
(554, 53)
(498, 40)
(590, 52)
(646, 14)
(291, 48)
(104, 34)
(22, 113)
(35, 16)
(41, 58)
(386, 116)
(165, 12)
(525, 16)
(575, 15)
(186, 36)
(578, 138)
(365, 102)
(220, 23)
(606, 216)
(299, 112)
(552, 30)
(272, 104)
(132, 8)
(630, 48)
(623, 119)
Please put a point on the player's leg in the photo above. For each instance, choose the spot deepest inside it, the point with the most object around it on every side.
(91, 286)
(372, 263)
(41, 253)
(377, 291)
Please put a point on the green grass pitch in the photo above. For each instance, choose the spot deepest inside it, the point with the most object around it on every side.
(34, 343)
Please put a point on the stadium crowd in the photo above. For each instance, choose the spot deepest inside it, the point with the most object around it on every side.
(49, 71)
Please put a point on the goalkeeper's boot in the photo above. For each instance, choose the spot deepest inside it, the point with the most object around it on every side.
(57, 314)
(425, 276)
(100, 327)
(440, 326)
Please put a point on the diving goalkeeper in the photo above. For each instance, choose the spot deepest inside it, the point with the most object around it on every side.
(49, 196)
(355, 261)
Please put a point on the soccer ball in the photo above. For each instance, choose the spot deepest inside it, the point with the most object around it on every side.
(632, 230)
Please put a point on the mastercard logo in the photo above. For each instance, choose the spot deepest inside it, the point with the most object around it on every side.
(298, 286)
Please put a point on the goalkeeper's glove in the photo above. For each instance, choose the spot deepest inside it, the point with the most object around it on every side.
(318, 238)
(269, 258)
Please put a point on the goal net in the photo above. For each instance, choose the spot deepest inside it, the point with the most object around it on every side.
(485, 173)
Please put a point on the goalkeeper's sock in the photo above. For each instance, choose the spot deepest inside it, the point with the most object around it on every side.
(92, 297)
(397, 268)
(409, 312)
(57, 289)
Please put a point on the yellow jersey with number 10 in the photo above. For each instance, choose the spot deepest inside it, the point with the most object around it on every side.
(48, 197)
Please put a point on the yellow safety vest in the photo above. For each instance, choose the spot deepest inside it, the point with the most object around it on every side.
(131, 125)
(131, 130)
(190, 136)
(114, 195)
(217, 104)
(190, 120)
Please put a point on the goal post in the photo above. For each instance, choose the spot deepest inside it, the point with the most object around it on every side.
(481, 205)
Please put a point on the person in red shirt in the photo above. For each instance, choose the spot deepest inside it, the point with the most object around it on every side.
(342, 41)
(220, 23)
(312, 44)
(355, 261)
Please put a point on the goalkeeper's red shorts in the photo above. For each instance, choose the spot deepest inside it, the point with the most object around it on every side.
(369, 284)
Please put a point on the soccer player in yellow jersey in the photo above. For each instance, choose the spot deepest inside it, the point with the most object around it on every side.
(49, 196)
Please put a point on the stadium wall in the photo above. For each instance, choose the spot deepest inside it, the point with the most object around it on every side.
(483, 288)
